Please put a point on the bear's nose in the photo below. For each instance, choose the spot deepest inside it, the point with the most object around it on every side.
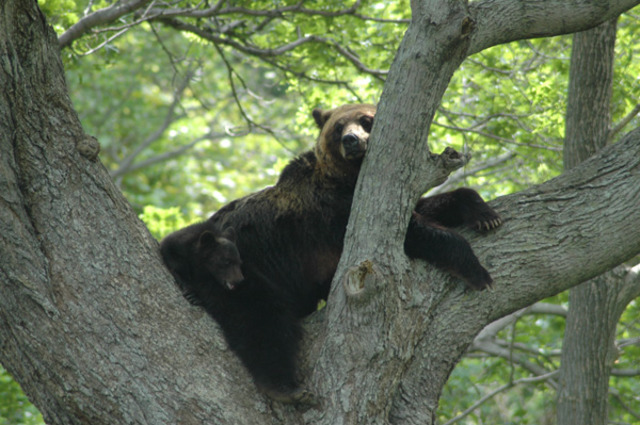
(350, 141)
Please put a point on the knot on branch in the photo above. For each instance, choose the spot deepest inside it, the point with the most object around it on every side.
(362, 281)
(467, 27)
(88, 147)
(447, 162)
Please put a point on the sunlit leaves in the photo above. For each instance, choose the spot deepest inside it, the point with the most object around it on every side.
(15, 408)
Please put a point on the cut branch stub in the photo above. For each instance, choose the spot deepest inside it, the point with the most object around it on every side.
(362, 281)
(447, 162)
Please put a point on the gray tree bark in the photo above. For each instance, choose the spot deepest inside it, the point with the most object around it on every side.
(91, 323)
(588, 350)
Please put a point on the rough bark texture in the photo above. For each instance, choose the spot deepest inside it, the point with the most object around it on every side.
(93, 328)
(588, 352)
(85, 297)
(502, 21)
(590, 85)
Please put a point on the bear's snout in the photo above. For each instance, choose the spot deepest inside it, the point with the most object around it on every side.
(350, 141)
(353, 146)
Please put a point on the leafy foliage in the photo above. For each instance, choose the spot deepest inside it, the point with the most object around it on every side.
(15, 408)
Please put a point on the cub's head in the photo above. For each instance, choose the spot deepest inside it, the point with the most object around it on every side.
(344, 136)
(219, 257)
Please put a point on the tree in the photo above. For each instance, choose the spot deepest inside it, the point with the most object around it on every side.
(95, 331)
(595, 306)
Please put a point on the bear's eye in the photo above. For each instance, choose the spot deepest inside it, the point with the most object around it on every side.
(337, 132)
(366, 123)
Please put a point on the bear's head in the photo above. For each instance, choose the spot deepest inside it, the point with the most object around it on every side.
(344, 136)
(220, 258)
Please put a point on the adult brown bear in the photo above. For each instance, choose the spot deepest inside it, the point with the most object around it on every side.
(290, 238)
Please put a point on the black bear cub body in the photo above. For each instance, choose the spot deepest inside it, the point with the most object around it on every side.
(203, 260)
(290, 238)
(207, 266)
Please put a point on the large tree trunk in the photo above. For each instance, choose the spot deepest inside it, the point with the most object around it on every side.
(90, 322)
(95, 331)
(588, 352)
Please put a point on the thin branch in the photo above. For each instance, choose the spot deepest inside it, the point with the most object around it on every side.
(100, 17)
(629, 341)
(231, 72)
(497, 138)
(167, 155)
(494, 349)
(271, 52)
(462, 173)
(623, 123)
(381, 20)
(474, 406)
(277, 12)
(358, 64)
(302, 75)
(616, 394)
(492, 329)
(625, 372)
(104, 43)
(252, 50)
(548, 308)
(168, 120)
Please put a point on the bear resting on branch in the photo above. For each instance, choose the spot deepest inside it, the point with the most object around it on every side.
(290, 238)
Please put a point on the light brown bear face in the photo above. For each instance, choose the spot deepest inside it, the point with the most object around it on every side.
(344, 136)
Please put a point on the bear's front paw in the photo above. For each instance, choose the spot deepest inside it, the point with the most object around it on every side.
(482, 217)
(480, 281)
(487, 222)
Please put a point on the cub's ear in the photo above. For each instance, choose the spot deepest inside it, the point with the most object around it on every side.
(321, 117)
(207, 240)
(230, 234)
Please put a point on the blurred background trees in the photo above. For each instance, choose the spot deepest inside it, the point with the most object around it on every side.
(196, 104)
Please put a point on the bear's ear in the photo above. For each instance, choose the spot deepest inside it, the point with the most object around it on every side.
(207, 240)
(321, 117)
(230, 234)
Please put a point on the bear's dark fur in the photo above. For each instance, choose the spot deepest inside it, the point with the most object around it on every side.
(254, 318)
(204, 261)
(290, 238)
(431, 238)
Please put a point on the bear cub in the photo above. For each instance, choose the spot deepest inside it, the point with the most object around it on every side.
(204, 261)
(206, 264)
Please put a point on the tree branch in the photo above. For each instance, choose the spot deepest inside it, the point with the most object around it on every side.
(114, 12)
(623, 123)
(507, 354)
(503, 21)
(560, 250)
(481, 401)
(125, 165)
(100, 17)
(270, 52)
(462, 173)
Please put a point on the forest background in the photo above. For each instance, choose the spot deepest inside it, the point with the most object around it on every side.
(188, 121)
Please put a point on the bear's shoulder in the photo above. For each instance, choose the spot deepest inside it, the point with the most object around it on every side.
(299, 169)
